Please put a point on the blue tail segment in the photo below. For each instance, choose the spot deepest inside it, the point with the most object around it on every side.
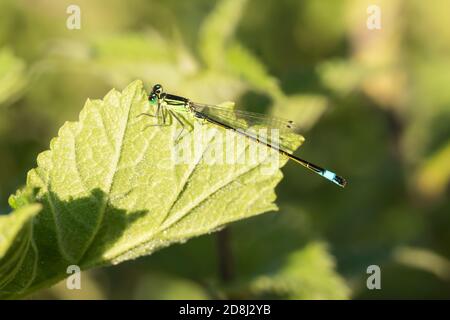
(333, 178)
(327, 174)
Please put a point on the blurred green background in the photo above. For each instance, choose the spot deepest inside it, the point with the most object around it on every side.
(374, 105)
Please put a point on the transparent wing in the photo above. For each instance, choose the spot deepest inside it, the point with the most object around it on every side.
(273, 130)
(250, 118)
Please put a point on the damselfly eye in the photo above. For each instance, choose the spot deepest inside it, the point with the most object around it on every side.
(158, 89)
(152, 98)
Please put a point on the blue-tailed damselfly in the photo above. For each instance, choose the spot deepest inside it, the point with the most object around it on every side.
(169, 105)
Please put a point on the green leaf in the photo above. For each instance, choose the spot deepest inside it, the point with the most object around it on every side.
(217, 30)
(18, 255)
(244, 64)
(423, 259)
(308, 273)
(341, 76)
(12, 75)
(111, 191)
(277, 257)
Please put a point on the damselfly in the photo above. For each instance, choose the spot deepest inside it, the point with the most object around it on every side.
(172, 106)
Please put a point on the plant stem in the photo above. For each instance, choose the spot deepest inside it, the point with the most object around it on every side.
(225, 255)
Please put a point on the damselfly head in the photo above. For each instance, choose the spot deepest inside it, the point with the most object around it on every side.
(157, 89)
